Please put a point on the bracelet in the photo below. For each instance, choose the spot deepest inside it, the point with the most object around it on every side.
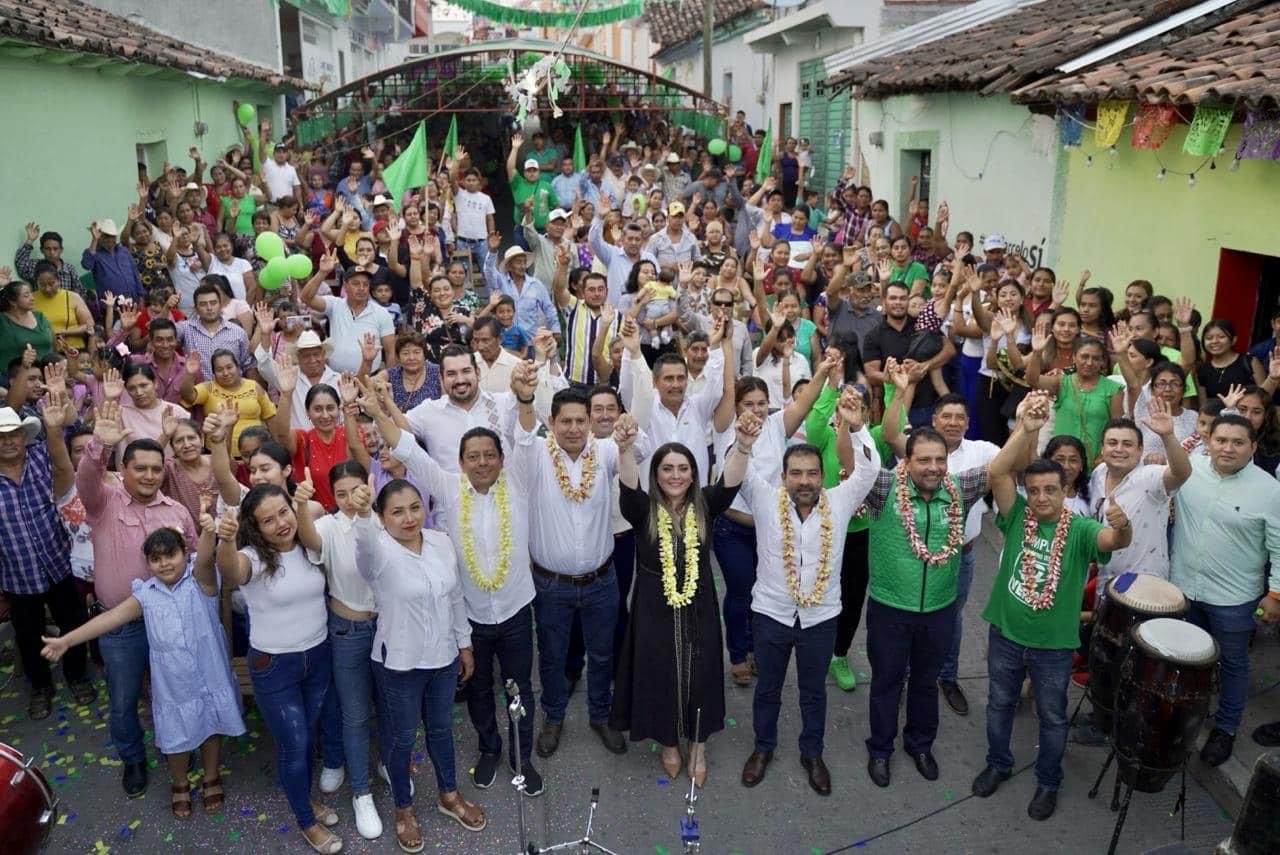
(746, 452)
(528, 400)
(1185, 329)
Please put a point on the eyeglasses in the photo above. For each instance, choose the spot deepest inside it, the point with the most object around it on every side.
(1167, 384)
(722, 304)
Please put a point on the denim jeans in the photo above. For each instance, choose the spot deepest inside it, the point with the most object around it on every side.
(555, 605)
(290, 689)
(813, 646)
(352, 642)
(511, 643)
(734, 545)
(964, 581)
(1008, 663)
(426, 695)
(968, 387)
(1230, 626)
(479, 252)
(898, 641)
(125, 653)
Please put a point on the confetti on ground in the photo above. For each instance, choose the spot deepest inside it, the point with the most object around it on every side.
(133, 826)
(662, 782)
(233, 835)
(284, 829)
(262, 817)
(948, 795)
(732, 722)
(815, 850)
(862, 675)
(168, 838)
(659, 849)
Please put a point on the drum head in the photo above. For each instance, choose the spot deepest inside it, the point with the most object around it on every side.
(1177, 641)
(1147, 594)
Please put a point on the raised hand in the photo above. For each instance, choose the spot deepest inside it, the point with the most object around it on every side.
(1158, 419)
(129, 314)
(228, 525)
(193, 364)
(747, 430)
(1273, 365)
(851, 409)
(1008, 322)
(524, 380)
(369, 346)
(347, 388)
(108, 424)
(305, 490)
(544, 344)
(417, 248)
(517, 140)
(897, 373)
(495, 241)
(625, 431)
(266, 318)
(112, 385)
(1121, 337)
(33, 231)
(58, 409)
(55, 377)
(329, 260)
(1231, 400)
(563, 255)
(286, 373)
(832, 360)
(1039, 339)
(1033, 410)
(362, 500)
(686, 273)
(1116, 517)
(1182, 309)
(207, 523)
(1061, 289)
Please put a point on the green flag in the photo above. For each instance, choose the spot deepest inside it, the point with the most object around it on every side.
(451, 138)
(579, 151)
(764, 163)
(410, 169)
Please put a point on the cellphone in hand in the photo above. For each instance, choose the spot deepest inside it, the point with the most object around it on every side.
(297, 322)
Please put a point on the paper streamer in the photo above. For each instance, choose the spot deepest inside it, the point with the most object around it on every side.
(599, 12)
(1111, 116)
(1208, 130)
(1070, 124)
(1152, 125)
(1260, 137)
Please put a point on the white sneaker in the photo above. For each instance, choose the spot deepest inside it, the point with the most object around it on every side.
(386, 776)
(331, 779)
(368, 823)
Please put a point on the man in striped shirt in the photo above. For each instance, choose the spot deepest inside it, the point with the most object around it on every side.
(583, 321)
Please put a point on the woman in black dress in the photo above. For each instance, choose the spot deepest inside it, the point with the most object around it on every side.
(672, 662)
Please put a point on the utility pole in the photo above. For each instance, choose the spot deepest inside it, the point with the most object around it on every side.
(708, 27)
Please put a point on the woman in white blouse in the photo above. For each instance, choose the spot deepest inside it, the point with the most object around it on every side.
(422, 643)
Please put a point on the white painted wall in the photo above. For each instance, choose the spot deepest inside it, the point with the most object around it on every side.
(748, 70)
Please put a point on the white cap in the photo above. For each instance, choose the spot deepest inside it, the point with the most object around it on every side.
(558, 214)
(991, 242)
(531, 163)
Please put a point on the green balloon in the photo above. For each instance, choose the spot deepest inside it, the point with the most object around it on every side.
(277, 269)
(299, 265)
(269, 245)
(270, 280)
(246, 113)
(716, 146)
(735, 154)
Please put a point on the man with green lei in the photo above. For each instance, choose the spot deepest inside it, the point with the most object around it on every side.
(1034, 610)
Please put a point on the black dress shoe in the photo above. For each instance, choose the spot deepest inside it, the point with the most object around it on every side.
(753, 770)
(135, 779)
(1217, 748)
(989, 780)
(819, 777)
(926, 765)
(1042, 804)
(532, 780)
(878, 769)
(610, 738)
(549, 738)
(1268, 735)
(954, 696)
(485, 771)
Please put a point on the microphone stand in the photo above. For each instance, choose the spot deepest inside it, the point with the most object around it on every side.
(689, 833)
(516, 711)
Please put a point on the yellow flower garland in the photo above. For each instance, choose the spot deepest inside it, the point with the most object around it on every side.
(570, 492)
(667, 554)
(485, 583)
(819, 589)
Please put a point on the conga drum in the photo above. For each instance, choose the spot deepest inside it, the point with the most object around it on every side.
(1131, 598)
(28, 809)
(1165, 684)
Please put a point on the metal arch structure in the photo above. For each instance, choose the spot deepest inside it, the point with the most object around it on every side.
(472, 80)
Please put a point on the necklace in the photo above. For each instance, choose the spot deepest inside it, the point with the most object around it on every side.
(488, 584)
(955, 521)
(1027, 567)
(570, 492)
(792, 573)
(667, 554)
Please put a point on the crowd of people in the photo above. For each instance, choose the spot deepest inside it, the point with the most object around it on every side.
(380, 483)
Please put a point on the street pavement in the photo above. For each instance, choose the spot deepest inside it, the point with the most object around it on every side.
(639, 808)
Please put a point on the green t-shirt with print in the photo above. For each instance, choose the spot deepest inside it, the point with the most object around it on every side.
(540, 191)
(1058, 626)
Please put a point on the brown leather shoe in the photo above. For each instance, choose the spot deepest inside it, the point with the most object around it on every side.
(741, 674)
(753, 771)
(819, 777)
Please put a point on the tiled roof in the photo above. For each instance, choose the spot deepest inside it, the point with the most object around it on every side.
(74, 26)
(674, 22)
(1010, 51)
(1237, 60)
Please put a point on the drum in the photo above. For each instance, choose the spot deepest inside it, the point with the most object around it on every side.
(28, 809)
(1163, 698)
(1131, 598)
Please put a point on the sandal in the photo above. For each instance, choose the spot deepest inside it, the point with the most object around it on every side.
(83, 692)
(211, 795)
(330, 844)
(41, 704)
(180, 801)
(408, 834)
(326, 816)
(468, 815)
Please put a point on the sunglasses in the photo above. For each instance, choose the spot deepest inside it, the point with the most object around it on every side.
(722, 304)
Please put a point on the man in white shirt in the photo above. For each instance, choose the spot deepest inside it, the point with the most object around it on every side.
(472, 218)
(951, 419)
(280, 176)
(796, 598)
(350, 316)
(618, 262)
(677, 415)
(571, 544)
(312, 369)
(496, 362)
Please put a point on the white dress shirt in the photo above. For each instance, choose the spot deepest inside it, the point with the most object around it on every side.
(483, 607)
(766, 454)
(565, 536)
(496, 378)
(770, 371)
(422, 621)
(298, 418)
(770, 595)
(689, 425)
(972, 454)
(1146, 503)
(338, 555)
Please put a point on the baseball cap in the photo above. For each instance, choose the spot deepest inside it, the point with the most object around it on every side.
(558, 214)
(675, 209)
(531, 163)
(858, 279)
(992, 242)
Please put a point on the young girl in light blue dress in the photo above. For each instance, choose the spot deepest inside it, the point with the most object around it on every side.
(195, 699)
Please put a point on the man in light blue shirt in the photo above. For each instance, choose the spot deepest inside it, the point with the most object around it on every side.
(594, 189)
(567, 184)
(618, 261)
(534, 308)
(1226, 528)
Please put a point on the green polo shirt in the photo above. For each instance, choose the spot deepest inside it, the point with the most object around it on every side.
(541, 193)
(818, 432)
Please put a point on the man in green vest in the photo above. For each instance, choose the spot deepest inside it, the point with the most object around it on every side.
(918, 512)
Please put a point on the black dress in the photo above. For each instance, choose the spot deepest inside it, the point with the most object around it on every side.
(654, 681)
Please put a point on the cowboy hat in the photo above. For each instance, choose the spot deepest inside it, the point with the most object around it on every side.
(109, 227)
(309, 339)
(10, 421)
(514, 252)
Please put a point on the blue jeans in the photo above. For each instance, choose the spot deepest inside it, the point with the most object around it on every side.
(734, 545)
(479, 251)
(813, 646)
(511, 643)
(899, 641)
(125, 653)
(964, 581)
(1008, 663)
(426, 695)
(969, 378)
(555, 605)
(290, 689)
(1230, 626)
(352, 642)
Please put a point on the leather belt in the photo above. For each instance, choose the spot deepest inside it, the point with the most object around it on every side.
(578, 580)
